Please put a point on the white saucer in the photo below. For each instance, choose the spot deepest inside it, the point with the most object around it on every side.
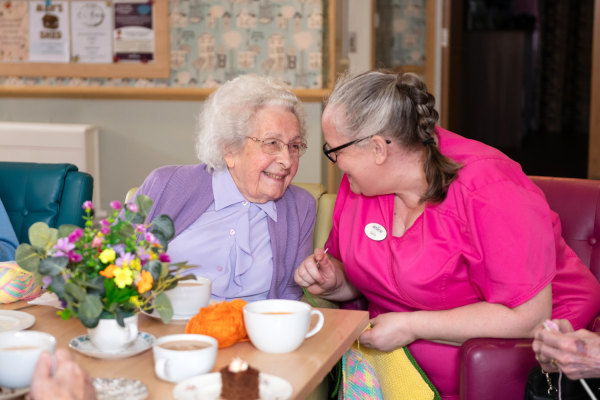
(120, 389)
(15, 320)
(82, 344)
(208, 387)
(177, 319)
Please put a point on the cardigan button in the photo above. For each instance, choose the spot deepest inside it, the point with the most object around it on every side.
(592, 241)
(25, 212)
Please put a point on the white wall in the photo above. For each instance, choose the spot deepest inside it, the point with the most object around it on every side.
(137, 136)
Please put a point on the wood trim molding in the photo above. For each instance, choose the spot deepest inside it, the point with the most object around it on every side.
(594, 139)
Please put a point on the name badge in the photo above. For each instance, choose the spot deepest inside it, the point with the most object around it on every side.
(375, 231)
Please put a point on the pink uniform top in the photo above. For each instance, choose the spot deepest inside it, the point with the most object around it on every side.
(492, 239)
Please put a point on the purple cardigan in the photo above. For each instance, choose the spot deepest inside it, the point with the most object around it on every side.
(184, 192)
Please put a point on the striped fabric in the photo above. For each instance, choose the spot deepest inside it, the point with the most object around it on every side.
(16, 283)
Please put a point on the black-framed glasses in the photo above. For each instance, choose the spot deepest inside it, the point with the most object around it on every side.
(331, 153)
(275, 146)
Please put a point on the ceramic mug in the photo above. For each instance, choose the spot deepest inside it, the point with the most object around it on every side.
(179, 357)
(189, 296)
(19, 352)
(110, 337)
(280, 326)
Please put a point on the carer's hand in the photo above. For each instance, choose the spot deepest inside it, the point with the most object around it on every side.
(68, 381)
(577, 354)
(317, 274)
(389, 331)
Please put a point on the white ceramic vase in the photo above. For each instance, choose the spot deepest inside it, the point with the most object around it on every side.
(110, 337)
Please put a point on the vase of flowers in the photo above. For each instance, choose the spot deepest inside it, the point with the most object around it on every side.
(106, 271)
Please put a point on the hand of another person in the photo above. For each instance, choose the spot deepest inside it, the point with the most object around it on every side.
(318, 274)
(576, 353)
(389, 331)
(68, 381)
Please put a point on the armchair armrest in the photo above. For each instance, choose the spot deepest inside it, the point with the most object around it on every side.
(483, 368)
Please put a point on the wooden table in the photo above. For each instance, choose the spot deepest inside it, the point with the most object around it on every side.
(304, 368)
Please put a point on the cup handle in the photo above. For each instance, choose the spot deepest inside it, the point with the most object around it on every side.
(319, 325)
(160, 367)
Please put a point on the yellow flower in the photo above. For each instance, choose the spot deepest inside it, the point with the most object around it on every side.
(107, 256)
(145, 282)
(135, 264)
(109, 272)
(153, 255)
(123, 277)
(135, 301)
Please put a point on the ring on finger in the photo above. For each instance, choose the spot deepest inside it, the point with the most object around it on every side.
(554, 362)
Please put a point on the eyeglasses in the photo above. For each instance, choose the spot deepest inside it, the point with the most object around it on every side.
(331, 153)
(275, 146)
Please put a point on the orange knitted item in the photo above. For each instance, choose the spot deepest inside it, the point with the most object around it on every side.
(224, 321)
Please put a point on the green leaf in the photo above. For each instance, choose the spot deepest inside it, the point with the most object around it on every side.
(162, 305)
(144, 204)
(95, 285)
(58, 286)
(120, 317)
(27, 258)
(41, 236)
(163, 224)
(162, 239)
(66, 229)
(155, 268)
(53, 266)
(75, 291)
(89, 310)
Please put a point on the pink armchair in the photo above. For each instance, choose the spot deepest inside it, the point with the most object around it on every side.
(496, 369)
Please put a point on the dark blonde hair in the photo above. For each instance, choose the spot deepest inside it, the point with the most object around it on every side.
(398, 107)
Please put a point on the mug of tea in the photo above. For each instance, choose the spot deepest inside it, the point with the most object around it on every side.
(19, 352)
(189, 296)
(280, 326)
(179, 357)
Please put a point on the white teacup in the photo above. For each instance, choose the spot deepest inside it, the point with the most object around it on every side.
(189, 296)
(19, 352)
(280, 326)
(179, 357)
(110, 337)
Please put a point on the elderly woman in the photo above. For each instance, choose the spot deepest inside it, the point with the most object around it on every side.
(446, 237)
(236, 216)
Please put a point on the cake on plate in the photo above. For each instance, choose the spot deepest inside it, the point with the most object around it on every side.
(239, 381)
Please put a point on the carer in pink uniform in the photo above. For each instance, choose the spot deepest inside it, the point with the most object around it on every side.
(446, 237)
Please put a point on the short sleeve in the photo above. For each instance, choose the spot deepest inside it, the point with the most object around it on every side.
(511, 227)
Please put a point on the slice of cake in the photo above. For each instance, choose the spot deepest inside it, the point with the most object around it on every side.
(239, 381)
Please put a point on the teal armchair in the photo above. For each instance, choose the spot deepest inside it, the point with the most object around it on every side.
(50, 193)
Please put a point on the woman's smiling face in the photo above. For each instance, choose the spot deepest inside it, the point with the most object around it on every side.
(262, 177)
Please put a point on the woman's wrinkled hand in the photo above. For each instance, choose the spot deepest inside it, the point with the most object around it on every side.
(389, 331)
(318, 274)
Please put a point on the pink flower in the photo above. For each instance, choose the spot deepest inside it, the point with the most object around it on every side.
(87, 206)
(150, 238)
(105, 230)
(74, 257)
(140, 228)
(97, 241)
(164, 257)
(116, 205)
(75, 235)
(63, 246)
(104, 223)
(132, 207)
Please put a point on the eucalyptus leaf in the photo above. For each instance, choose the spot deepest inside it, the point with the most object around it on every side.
(135, 218)
(58, 286)
(53, 266)
(95, 285)
(66, 229)
(144, 204)
(163, 224)
(89, 310)
(75, 291)
(27, 258)
(162, 305)
(120, 317)
(155, 268)
(41, 236)
(162, 239)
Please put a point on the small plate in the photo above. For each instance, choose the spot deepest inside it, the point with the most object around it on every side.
(7, 393)
(208, 387)
(15, 320)
(82, 344)
(177, 319)
(120, 389)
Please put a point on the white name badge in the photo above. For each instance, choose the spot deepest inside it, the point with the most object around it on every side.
(375, 231)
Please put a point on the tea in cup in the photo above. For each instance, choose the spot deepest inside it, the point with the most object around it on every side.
(179, 357)
(280, 326)
(19, 352)
(189, 296)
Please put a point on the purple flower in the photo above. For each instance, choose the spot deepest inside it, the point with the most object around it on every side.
(116, 205)
(74, 257)
(87, 206)
(132, 207)
(75, 235)
(143, 255)
(124, 259)
(46, 280)
(63, 246)
(164, 257)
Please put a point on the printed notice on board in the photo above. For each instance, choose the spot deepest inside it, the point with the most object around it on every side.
(14, 27)
(91, 27)
(134, 32)
(49, 31)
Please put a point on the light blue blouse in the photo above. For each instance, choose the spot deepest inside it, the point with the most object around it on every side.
(230, 243)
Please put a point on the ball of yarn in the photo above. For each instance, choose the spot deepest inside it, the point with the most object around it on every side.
(224, 321)
(16, 283)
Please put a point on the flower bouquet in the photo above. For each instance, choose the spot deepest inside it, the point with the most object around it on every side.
(110, 270)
